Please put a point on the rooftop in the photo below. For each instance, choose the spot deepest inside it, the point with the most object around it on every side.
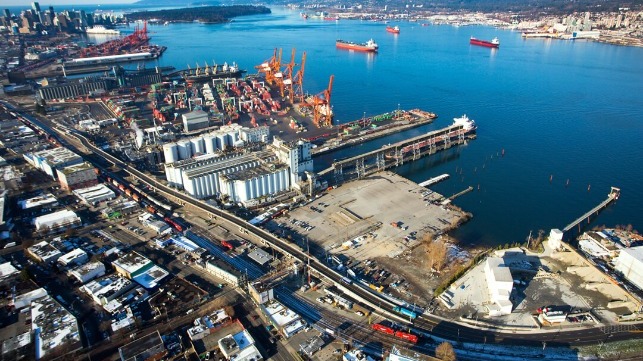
(151, 277)
(77, 168)
(107, 286)
(44, 250)
(53, 326)
(71, 256)
(260, 256)
(634, 252)
(132, 263)
(89, 268)
(501, 273)
(217, 164)
(250, 173)
(37, 201)
(7, 270)
(62, 217)
(56, 156)
(280, 314)
(194, 115)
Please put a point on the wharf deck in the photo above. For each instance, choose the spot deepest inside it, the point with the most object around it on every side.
(396, 154)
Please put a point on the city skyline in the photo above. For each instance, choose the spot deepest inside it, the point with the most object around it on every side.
(68, 2)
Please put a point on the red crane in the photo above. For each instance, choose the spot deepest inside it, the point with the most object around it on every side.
(322, 110)
(298, 91)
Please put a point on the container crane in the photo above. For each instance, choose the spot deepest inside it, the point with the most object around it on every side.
(286, 80)
(298, 92)
(271, 66)
(322, 110)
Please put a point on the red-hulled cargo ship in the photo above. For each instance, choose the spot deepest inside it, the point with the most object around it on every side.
(369, 46)
(393, 29)
(489, 44)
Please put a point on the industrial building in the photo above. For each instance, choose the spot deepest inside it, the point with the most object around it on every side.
(94, 195)
(296, 155)
(77, 176)
(195, 120)
(75, 89)
(57, 221)
(88, 272)
(44, 252)
(50, 160)
(260, 256)
(240, 347)
(500, 284)
(74, 258)
(225, 272)
(227, 136)
(139, 269)
(255, 182)
(630, 264)
(96, 60)
(53, 327)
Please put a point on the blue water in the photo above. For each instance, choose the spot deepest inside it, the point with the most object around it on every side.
(573, 110)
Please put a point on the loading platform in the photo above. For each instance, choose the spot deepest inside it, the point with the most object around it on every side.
(394, 155)
(612, 196)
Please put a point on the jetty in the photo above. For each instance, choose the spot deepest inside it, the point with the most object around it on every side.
(434, 180)
(612, 196)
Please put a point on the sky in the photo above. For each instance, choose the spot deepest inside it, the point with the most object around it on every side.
(47, 3)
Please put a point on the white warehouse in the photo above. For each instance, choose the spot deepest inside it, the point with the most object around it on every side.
(57, 220)
(630, 263)
(500, 283)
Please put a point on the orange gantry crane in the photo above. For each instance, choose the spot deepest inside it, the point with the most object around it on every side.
(297, 92)
(285, 81)
(322, 110)
(271, 67)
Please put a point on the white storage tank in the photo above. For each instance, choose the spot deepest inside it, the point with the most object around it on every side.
(222, 141)
(185, 149)
(210, 143)
(198, 145)
(170, 152)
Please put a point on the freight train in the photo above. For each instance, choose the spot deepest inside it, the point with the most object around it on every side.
(151, 205)
(399, 334)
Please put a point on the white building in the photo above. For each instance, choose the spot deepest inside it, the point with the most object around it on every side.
(45, 200)
(44, 252)
(57, 220)
(53, 326)
(296, 155)
(225, 272)
(255, 135)
(255, 182)
(88, 272)
(51, 159)
(284, 319)
(240, 347)
(195, 120)
(630, 263)
(94, 195)
(140, 269)
(105, 289)
(500, 285)
(76, 257)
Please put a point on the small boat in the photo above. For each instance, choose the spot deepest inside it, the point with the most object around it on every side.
(393, 29)
(332, 18)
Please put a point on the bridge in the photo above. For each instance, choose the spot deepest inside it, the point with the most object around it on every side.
(612, 196)
(394, 155)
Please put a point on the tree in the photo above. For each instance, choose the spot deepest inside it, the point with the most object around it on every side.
(445, 352)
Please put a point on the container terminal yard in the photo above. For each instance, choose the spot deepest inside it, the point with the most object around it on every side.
(182, 205)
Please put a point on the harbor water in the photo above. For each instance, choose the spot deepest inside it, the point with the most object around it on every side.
(568, 115)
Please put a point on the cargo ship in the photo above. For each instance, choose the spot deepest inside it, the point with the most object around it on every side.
(99, 29)
(468, 124)
(369, 46)
(489, 44)
(393, 29)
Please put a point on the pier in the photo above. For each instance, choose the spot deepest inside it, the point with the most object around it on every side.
(434, 180)
(397, 154)
(612, 196)
(467, 190)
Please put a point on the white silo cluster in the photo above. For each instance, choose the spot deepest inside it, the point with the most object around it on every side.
(232, 135)
(255, 183)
